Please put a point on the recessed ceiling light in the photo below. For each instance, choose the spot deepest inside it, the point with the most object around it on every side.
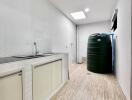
(87, 9)
(78, 15)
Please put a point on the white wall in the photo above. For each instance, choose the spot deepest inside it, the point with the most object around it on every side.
(124, 45)
(15, 32)
(24, 21)
(131, 86)
(85, 30)
(64, 40)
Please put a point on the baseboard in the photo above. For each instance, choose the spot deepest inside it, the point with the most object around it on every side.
(121, 89)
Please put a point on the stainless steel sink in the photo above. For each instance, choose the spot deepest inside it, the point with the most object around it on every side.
(49, 54)
(30, 56)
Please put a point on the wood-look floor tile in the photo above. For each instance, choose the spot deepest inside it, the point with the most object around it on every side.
(85, 85)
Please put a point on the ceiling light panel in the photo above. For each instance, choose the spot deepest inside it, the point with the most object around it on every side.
(78, 15)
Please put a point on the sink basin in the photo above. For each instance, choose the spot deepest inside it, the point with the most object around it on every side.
(30, 56)
(35, 56)
(49, 54)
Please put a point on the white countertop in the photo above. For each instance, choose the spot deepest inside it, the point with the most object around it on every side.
(26, 66)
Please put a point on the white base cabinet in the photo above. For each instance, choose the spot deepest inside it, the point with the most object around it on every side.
(11, 87)
(41, 82)
(56, 75)
(46, 79)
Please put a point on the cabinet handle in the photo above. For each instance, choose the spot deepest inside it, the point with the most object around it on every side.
(20, 74)
(7, 75)
(47, 63)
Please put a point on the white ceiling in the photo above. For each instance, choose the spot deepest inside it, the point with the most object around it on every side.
(100, 10)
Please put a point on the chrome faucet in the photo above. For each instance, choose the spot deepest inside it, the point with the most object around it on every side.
(36, 49)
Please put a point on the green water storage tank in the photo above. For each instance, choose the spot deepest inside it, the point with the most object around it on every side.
(99, 53)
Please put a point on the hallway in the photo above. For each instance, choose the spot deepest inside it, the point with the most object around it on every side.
(84, 85)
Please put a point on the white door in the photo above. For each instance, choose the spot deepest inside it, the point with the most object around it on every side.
(11, 87)
(41, 82)
(56, 74)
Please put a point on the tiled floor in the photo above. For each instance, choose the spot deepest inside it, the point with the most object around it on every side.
(85, 85)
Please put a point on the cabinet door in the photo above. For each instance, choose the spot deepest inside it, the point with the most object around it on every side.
(41, 82)
(11, 87)
(56, 74)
